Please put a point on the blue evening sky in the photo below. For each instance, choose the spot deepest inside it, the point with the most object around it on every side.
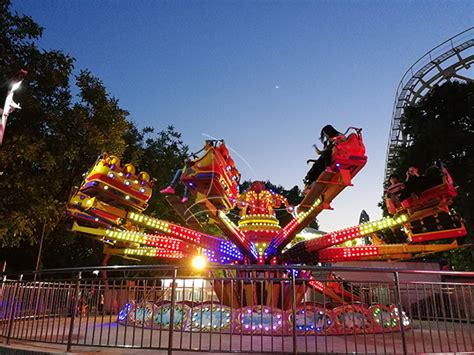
(263, 75)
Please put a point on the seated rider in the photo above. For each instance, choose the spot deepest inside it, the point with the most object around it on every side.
(328, 137)
(170, 189)
(433, 176)
(396, 186)
(413, 183)
(392, 193)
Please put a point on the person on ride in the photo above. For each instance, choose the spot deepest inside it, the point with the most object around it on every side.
(394, 190)
(413, 183)
(328, 138)
(395, 185)
(170, 189)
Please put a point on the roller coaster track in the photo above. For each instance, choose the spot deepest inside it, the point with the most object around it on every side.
(449, 60)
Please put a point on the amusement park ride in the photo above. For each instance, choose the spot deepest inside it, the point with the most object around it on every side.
(109, 206)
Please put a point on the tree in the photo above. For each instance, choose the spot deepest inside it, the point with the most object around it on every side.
(25, 154)
(55, 138)
(161, 156)
(441, 129)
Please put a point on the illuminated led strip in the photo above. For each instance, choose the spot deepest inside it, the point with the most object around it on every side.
(240, 236)
(347, 253)
(261, 247)
(151, 222)
(142, 238)
(196, 238)
(269, 232)
(258, 219)
(259, 223)
(210, 255)
(357, 253)
(319, 286)
(175, 254)
(291, 227)
(260, 228)
(153, 252)
(216, 257)
(350, 233)
(296, 222)
(229, 251)
(164, 242)
(370, 227)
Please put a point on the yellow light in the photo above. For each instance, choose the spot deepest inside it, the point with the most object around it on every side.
(199, 262)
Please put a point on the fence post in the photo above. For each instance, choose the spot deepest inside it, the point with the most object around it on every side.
(173, 304)
(14, 302)
(74, 310)
(400, 317)
(293, 310)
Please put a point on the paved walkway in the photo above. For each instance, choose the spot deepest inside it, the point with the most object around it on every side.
(91, 337)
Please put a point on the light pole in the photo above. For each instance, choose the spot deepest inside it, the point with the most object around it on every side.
(38, 258)
(10, 105)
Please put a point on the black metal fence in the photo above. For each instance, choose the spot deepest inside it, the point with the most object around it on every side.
(242, 309)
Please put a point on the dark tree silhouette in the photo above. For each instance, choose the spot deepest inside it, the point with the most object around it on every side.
(441, 130)
(54, 139)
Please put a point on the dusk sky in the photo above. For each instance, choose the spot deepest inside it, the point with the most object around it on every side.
(265, 76)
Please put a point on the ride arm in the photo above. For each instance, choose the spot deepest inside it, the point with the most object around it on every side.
(326, 188)
(380, 252)
(348, 158)
(231, 231)
(217, 249)
(308, 250)
(324, 289)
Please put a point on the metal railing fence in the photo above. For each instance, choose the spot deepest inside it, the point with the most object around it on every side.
(284, 309)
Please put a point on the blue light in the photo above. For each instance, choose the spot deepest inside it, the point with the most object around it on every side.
(124, 312)
(111, 175)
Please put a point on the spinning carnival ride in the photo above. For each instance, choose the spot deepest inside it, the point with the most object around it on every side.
(109, 207)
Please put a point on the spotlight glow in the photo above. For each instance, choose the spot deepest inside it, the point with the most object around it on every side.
(16, 85)
(199, 262)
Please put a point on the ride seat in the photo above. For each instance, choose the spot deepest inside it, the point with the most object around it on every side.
(444, 190)
(349, 153)
(212, 175)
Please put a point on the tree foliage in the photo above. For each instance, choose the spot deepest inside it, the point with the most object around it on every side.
(441, 130)
(56, 137)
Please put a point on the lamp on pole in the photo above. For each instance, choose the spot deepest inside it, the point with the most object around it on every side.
(10, 105)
